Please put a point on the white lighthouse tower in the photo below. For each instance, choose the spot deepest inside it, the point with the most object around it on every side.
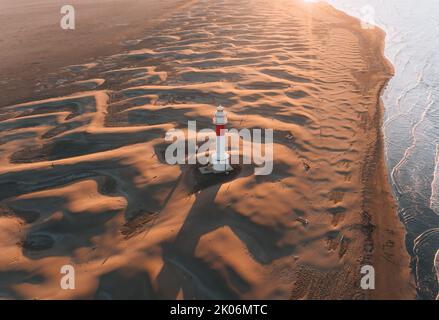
(220, 159)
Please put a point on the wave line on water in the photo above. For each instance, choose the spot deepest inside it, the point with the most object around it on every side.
(434, 199)
(408, 151)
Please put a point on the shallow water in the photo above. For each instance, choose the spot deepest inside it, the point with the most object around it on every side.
(411, 126)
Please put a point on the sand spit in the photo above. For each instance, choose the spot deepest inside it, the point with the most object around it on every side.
(83, 180)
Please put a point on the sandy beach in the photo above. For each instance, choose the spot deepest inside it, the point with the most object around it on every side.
(83, 179)
(35, 46)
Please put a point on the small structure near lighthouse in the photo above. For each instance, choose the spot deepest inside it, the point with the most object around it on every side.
(220, 160)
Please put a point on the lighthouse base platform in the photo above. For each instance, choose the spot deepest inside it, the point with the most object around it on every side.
(221, 164)
(217, 166)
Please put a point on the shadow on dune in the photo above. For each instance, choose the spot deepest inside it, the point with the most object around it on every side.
(8, 279)
(185, 273)
(124, 284)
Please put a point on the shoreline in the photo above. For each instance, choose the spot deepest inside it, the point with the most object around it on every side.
(393, 250)
(389, 234)
(309, 71)
(411, 164)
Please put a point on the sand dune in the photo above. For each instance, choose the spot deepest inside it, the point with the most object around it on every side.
(83, 180)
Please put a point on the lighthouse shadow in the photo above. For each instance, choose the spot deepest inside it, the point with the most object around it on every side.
(186, 274)
(182, 271)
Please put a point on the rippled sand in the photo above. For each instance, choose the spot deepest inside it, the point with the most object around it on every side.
(411, 126)
(83, 180)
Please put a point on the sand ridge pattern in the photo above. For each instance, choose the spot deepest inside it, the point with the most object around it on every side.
(83, 180)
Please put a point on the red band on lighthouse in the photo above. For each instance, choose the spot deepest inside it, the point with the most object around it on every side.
(219, 129)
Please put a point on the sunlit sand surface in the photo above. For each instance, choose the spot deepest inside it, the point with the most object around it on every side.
(83, 179)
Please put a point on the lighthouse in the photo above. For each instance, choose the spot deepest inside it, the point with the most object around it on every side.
(220, 159)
